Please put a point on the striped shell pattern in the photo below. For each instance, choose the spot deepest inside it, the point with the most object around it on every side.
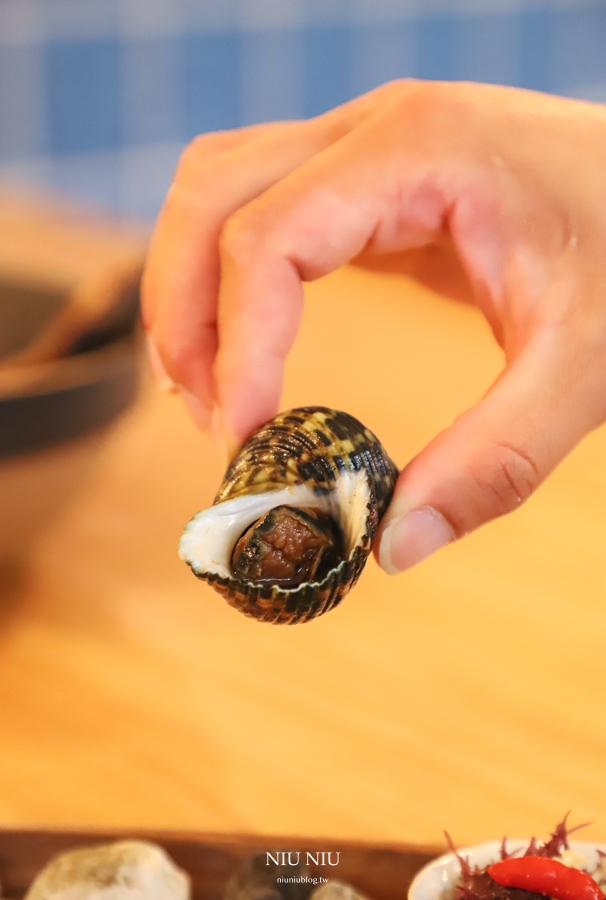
(310, 458)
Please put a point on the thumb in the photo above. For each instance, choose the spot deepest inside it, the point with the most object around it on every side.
(495, 455)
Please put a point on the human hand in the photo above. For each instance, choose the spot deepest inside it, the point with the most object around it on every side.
(489, 194)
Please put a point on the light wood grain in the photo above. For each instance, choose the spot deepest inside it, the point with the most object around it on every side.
(467, 694)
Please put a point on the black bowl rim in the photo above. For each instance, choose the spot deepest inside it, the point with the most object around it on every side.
(66, 399)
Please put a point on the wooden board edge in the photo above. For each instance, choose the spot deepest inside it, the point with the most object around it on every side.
(382, 871)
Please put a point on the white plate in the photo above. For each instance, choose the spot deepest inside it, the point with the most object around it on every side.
(440, 876)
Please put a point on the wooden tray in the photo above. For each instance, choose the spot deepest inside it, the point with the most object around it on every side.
(382, 872)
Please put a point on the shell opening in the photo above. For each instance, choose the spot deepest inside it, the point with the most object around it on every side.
(209, 540)
(288, 546)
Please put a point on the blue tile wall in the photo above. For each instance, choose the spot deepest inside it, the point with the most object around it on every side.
(436, 48)
(328, 67)
(22, 116)
(212, 77)
(537, 49)
(100, 97)
(83, 95)
(578, 52)
(153, 101)
(382, 52)
(487, 49)
(272, 82)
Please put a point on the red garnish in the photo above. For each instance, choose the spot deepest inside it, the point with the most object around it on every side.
(546, 876)
(476, 884)
(558, 839)
(463, 861)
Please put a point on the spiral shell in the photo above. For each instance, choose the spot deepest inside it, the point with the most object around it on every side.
(310, 458)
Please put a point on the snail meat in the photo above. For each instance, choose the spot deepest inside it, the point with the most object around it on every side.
(293, 523)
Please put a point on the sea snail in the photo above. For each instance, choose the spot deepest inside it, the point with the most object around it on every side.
(293, 522)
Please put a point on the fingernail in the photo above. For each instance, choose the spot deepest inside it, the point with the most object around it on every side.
(162, 379)
(229, 441)
(219, 436)
(231, 444)
(413, 537)
(197, 410)
(216, 431)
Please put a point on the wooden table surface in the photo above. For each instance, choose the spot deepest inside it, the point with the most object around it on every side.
(467, 694)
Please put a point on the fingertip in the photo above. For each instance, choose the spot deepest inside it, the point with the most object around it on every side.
(408, 540)
(198, 410)
(163, 380)
(383, 549)
(223, 445)
(248, 396)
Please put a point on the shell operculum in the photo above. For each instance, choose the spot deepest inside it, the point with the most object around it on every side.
(294, 520)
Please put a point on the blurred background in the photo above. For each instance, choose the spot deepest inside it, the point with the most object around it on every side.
(99, 96)
(468, 694)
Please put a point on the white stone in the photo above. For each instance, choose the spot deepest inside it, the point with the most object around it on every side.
(127, 870)
(336, 890)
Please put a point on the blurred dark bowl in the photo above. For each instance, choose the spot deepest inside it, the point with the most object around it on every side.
(56, 410)
(52, 427)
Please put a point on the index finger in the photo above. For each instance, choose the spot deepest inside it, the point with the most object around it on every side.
(371, 188)
(218, 174)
